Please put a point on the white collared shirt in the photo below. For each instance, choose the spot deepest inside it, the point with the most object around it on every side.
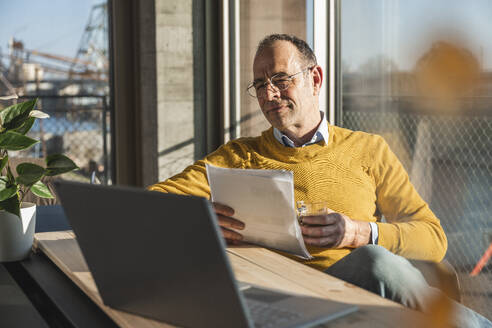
(321, 134)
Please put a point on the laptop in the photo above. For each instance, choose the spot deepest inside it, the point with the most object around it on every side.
(162, 256)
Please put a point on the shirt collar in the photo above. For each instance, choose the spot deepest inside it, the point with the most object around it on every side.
(320, 135)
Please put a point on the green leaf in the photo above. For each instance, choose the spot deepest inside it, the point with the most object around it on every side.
(14, 116)
(7, 193)
(6, 190)
(58, 164)
(29, 173)
(3, 162)
(41, 190)
(11, 205)
(26, 126)
(15, 141)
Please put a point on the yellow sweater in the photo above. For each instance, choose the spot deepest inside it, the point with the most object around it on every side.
(355, 173)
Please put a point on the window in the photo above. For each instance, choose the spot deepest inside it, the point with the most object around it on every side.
(58, 53)
(258, 19)
(177, 120)
(419, 73)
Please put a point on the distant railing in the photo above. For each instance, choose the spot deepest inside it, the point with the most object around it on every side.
(80, 127)
(449, 160)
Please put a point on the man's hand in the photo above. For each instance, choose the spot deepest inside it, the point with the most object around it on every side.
(335, 230)
(227, 222)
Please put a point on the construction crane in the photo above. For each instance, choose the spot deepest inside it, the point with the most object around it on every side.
(18, 58)
(93, 47)
(90, 61)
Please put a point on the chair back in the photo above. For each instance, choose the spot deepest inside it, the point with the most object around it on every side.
(441, 275)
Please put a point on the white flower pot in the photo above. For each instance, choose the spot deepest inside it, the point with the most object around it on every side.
(17, 234)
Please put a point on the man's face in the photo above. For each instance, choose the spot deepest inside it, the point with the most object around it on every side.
(291, 108)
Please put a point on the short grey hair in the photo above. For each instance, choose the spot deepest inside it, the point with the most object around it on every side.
(305, 51)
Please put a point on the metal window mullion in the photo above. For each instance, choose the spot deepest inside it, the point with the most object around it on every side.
(336, 100)
(320, 45)
(225, 70)
(234, 62)
(134, 92)
(332, 63)
(230, 70)
(112, 120)
(213, 78)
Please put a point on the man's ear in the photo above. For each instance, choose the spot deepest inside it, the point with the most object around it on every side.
(317, 79)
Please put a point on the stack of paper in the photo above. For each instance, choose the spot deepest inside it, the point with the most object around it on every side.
(264, 201)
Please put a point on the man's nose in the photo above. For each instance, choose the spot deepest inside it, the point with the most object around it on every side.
(271, 92)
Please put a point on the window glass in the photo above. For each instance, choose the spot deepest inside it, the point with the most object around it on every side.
(419, 73)
(176, 118)
(58, 52)
(258, 19)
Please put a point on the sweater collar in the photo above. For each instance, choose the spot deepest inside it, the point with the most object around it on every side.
(321, 134)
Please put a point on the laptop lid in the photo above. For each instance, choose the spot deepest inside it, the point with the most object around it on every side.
(154, 254)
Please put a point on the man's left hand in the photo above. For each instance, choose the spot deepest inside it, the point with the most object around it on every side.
(335, 230)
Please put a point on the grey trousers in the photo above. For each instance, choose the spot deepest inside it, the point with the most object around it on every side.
(377, 270)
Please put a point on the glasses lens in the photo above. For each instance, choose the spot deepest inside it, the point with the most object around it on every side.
(281, 83)
(252, 91)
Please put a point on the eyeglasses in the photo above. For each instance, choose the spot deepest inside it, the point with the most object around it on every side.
(278, 82)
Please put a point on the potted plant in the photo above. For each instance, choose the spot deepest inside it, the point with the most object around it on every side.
(18, 218)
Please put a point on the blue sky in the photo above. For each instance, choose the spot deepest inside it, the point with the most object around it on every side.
(405, 29)
(53, 26)
(409, 26)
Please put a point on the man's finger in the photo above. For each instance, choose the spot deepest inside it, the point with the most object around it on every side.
(231, 242)
(319, 231)
(324, 219)
(227, 222)
(231, 235)
(322, 242)
(223, 209)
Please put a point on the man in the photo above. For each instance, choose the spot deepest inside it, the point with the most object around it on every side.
(354, 172)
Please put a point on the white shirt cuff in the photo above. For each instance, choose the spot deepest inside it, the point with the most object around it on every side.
(374, 233)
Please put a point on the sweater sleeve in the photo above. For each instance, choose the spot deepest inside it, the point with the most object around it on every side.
(193, 180)
(412, 230)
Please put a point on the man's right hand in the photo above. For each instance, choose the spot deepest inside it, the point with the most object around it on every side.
(227, 223)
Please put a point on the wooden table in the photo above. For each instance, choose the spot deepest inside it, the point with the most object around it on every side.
(251, 264)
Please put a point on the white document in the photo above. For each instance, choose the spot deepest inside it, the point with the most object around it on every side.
(264, 201)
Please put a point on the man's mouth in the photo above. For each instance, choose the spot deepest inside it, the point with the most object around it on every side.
(277, 108)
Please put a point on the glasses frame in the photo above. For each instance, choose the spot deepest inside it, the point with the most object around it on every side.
(252, 90)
